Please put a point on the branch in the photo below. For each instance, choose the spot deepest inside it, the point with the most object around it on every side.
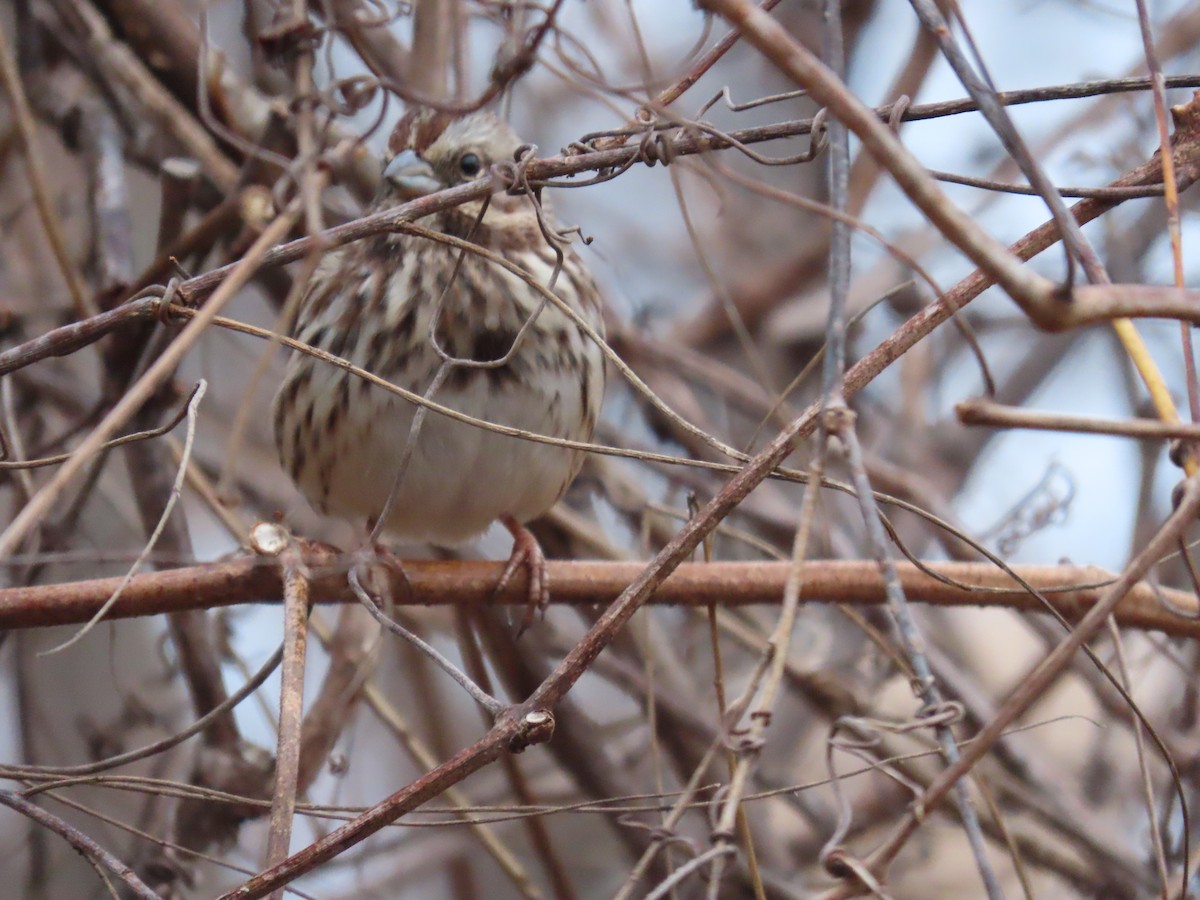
(1048, 305)
(80, 842)
(1072, 589)
(981, 411)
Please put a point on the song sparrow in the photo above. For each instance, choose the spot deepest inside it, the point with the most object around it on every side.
(390, 303)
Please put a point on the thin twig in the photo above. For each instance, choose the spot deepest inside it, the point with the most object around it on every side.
(480, 696)
(979, 411)
(139, 392)
(148, 548)
(1035, 684)
(1156, 840)
(39, 183)
(84, 845)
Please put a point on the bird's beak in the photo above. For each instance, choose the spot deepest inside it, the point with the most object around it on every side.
(410, 175)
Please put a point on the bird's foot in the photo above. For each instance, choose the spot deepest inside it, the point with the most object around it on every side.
(526, 552)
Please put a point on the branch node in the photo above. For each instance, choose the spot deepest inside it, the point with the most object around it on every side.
(536, 727)
(268, 538)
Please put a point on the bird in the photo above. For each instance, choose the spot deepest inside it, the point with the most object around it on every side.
(456, 327)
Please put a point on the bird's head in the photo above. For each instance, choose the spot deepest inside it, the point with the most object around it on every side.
(432, 150)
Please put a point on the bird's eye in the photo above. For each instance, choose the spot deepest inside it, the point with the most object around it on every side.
(470, 164)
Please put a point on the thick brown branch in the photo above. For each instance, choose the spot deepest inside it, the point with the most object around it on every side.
(1072, 589)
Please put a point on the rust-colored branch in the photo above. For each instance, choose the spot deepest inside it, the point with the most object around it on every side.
(1072, 589)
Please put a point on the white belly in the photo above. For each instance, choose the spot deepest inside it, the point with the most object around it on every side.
(459, 478)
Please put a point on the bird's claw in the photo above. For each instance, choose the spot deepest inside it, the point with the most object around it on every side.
(527, 553)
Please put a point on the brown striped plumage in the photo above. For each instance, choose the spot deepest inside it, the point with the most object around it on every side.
(374, 303)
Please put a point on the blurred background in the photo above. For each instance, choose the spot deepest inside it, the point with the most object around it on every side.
(134, 133)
